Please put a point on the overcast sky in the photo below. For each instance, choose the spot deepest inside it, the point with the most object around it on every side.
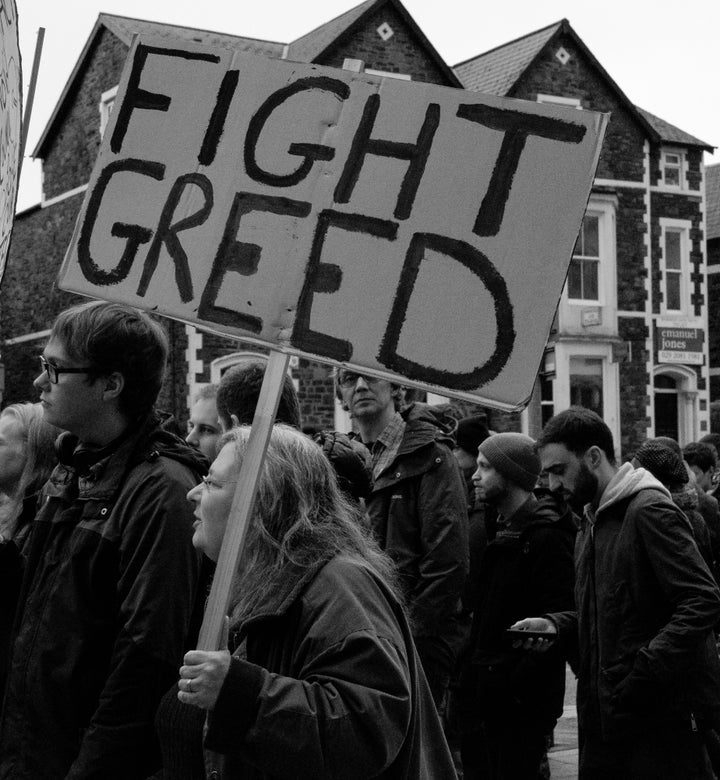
(663, 55)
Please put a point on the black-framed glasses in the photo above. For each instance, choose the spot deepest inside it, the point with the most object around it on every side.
(53, 372)
(350, 378)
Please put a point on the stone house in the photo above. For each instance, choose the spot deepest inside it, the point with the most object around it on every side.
(630, 336)
(638, 273)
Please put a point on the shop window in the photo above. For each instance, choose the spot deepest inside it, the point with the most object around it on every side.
(547, 399)
(586, 383)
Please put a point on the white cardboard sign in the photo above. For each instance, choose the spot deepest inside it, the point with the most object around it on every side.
(10, 122)
(397, 227)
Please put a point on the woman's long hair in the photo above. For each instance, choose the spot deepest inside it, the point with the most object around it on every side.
(40, 455)
(300, 519)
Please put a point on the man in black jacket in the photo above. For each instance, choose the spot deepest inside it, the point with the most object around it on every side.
(418, 513)
(645, 608)
(526, 569)
(108, 589)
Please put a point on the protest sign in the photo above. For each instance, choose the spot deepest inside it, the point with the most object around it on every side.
(10, 123)
(397, 227)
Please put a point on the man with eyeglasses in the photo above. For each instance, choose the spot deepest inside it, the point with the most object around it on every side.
(108, 591)
(418, 512)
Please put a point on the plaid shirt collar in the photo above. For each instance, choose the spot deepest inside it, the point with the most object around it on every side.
(388, 443)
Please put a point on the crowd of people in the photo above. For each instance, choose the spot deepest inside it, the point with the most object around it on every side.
(405, 604)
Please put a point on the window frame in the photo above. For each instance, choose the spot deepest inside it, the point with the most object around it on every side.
(596, 261)
(105, 106)
(681, 167)
(681, 227)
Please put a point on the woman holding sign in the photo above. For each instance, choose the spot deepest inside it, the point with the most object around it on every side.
(322, 679)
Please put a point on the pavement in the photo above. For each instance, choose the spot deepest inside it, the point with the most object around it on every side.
(563, 756)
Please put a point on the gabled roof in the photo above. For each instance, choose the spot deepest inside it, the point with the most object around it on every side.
(308, 48)
(712, 195)
(671, 134)
(497, 71)
(125, 28)
(315, 44)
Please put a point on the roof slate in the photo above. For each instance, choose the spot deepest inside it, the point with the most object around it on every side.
(311, 45)
(712, 194)
(495, 71)
(125, 27)
(670, 133)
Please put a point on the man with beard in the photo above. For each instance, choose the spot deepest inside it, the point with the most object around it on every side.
(527, 568)
(646, 605)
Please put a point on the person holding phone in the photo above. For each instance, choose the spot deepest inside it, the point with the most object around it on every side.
(646, 607)
(513, 696)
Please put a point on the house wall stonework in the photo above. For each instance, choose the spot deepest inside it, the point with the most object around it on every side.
(29, 298)
(631, 228)
(71, 153)
(401, 53)
(634, 381)
(670, 206)
(621, 157)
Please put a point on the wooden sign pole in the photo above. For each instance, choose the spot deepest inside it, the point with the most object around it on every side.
(31, 95)
(243, 501)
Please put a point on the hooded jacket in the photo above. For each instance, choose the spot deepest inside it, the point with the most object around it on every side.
(646, 605)
(103, 611)
(527, 569)
(418, 512)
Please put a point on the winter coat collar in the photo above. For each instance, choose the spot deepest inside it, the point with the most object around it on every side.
(294, 581)
(100, 474)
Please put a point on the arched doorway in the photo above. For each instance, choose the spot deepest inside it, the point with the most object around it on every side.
(675, 403)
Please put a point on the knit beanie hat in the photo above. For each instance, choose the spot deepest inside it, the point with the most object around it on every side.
(662, 463)
(513, 455)
(471, 432)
